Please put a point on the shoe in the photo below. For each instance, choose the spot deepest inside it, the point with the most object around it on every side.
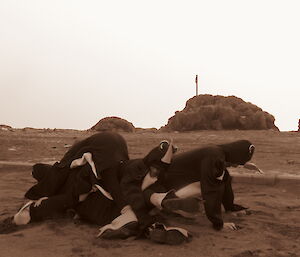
(237, 207)
(7, 226)
(190, 205)
(158, 233)
(128, 230)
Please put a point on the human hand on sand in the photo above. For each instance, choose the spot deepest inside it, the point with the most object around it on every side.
(241, 213)
(252, 166)
(38, 202)
(229, 225)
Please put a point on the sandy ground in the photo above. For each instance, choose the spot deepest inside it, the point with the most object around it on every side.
(272, 228)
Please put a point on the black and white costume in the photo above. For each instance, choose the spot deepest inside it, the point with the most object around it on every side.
(207, 165)
(63, 182)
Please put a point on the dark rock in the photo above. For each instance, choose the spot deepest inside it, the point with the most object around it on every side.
(113, 124)
(208, 112)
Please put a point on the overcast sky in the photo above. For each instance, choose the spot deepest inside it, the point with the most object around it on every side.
(68, 63)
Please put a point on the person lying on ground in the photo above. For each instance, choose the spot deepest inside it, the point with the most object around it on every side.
(61, 186)
(66, 197)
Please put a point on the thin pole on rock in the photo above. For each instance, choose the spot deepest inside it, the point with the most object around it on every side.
(196, 81)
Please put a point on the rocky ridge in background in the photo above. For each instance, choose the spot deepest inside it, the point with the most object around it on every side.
(5, 127)
(202, 112)
(209, 112)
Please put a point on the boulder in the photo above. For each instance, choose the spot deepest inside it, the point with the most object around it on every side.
(5, 127)
(113, 124)
(209, 112)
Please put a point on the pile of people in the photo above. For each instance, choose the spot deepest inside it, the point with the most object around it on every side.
(97, 182)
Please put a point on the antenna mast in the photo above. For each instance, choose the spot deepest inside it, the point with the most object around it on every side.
(196, 81)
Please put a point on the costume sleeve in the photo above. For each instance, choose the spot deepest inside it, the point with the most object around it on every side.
(212, 190)
(49, 184)
(157, 187)
(132, 178)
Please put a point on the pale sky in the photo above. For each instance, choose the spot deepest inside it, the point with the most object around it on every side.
(69, 63)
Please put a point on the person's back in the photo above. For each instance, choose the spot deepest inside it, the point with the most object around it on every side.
(185, 167)
(107, 149)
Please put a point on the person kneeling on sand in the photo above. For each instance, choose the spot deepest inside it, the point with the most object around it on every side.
(203, 172)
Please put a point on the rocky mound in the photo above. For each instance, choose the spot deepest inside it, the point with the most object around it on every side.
(5, 127)
(208, 112)
(113, 124)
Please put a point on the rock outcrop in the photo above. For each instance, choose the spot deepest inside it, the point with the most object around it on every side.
(208, 112)
(113, 124)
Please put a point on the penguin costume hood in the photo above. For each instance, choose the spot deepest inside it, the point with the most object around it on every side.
(160, 156)
(238, 152)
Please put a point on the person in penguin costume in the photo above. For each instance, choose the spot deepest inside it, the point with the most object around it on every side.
(203, 172)
(62, 186)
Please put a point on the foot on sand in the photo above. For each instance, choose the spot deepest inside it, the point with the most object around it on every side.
(126, 231)
(173, 203)
(159, 233)
(7, 226)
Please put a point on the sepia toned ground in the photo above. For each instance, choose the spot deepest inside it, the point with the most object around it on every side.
(272, 228)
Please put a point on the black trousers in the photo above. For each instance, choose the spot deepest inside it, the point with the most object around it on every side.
(53, 207)
(65, 198)
(97, 209)
(110, 181)
(159, 187)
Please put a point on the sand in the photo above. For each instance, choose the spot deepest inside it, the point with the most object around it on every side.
(272, 228)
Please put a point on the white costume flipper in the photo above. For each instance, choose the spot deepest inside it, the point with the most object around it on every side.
(86, 158)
